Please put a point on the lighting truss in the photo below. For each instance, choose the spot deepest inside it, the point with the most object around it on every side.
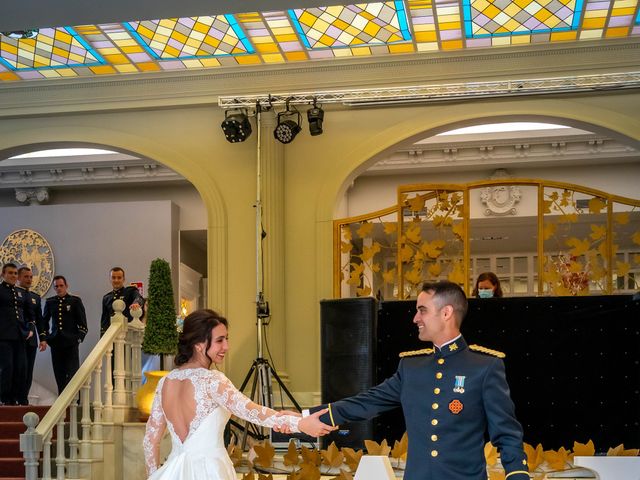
(444, 92)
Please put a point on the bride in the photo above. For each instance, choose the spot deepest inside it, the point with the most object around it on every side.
(195, 403)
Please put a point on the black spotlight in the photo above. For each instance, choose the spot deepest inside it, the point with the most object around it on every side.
(287, 129)
(315, 116)
(236, 126)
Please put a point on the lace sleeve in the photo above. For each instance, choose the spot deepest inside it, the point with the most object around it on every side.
(156, 425)
(226, 394)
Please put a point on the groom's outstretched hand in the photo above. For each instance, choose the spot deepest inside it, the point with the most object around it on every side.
(311, 425)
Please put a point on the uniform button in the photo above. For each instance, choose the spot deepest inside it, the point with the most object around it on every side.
(436, 391)
(434, 453)
(434, 422)
(434, 438)
(434, 406)
(440, 361)
(439, 375)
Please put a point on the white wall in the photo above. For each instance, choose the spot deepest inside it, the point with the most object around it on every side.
(87, 240)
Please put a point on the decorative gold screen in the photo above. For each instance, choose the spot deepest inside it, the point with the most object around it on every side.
(578, 240)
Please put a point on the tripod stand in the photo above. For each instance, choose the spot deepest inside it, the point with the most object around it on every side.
(261, 370)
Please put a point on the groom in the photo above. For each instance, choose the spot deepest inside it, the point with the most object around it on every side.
(450, 395)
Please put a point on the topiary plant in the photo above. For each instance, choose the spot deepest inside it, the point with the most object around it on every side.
(160, 334)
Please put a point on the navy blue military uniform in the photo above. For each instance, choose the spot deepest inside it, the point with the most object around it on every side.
(68, 329)
(13, 332)
(128, 295)
(449, 397)
(33, 313)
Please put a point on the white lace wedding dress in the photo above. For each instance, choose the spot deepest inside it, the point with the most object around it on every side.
(200, 411)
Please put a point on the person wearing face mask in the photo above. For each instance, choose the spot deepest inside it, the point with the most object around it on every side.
(487, 286)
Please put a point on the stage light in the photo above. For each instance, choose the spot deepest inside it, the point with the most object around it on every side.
(287, 129)
(236, 126)
(315, 116)
(21, 34)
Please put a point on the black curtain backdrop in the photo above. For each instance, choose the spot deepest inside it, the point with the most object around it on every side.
(573, 363)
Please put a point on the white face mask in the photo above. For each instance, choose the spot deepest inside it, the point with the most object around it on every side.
(485, 293)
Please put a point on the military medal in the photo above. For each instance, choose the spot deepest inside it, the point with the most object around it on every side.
(455, 406)
(68, 308)
(459, 386)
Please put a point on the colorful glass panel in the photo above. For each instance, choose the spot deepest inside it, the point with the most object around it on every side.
(351, 25)
(507, 17)
(51, 48)
(191, 37)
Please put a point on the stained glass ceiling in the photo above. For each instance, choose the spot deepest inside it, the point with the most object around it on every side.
(300, 35)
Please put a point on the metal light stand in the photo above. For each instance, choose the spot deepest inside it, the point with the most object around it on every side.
(261, 370)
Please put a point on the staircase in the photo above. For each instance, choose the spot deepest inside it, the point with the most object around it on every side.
(11, 426)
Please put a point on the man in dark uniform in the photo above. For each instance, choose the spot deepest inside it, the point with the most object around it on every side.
(14, 330)
(130, 295)
(68, 329)
(33, 311)
(450, 396)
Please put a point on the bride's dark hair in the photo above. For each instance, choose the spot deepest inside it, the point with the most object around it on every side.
(197, 329)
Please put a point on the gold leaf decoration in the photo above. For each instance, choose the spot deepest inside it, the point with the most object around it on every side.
(364, 291)
(548, 230)
(375, 448)
(596, 205)
(265, 453)
(352, 457)
(346, 232)
(584, 449)
(343, 475)
(619, 451)
(356, 274)
(580, 247)
(457, 273)
(566, 198)
(622, 268)
(416, 204)
(435, 269)
(235, 454)
(535, 456)
(490, 454)
(413, 276)
(390, 227)
(568, 218)
(413, 233)
(310, 456)
(406, 253)
(496, 475)
(332, 456)
(636, 238)
(365, 229)
(375, 267)
(399, 450)
(248, 476)
(557, 460)
(458, 229)
(598, 232)
(369, 252)
(621, 218)
(389, 276)
(433, 248)
(636, 258)
(346, 247)
(291, 458)
(265, 477)
(547, 206)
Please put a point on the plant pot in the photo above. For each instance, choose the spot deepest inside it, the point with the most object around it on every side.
(147, 392)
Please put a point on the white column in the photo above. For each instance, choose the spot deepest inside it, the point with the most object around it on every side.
(272, 167)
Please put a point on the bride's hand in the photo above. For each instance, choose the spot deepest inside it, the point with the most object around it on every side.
(311, 425)
(284, 428)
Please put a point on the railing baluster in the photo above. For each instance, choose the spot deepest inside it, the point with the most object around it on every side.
(31, 446)
(60, 459)
(85, 422)
(108, 386)
(127, 368)
(46, 457)
(97, 405)
(73, 439)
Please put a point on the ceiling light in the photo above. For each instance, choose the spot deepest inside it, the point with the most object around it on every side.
(315, 116)
(21, 34)
(287, 129)
(236, 126)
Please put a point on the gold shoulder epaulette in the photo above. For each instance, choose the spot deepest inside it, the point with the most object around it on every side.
(424, 351)
(488, 351)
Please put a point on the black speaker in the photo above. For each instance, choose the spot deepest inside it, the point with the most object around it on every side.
(349, 342)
